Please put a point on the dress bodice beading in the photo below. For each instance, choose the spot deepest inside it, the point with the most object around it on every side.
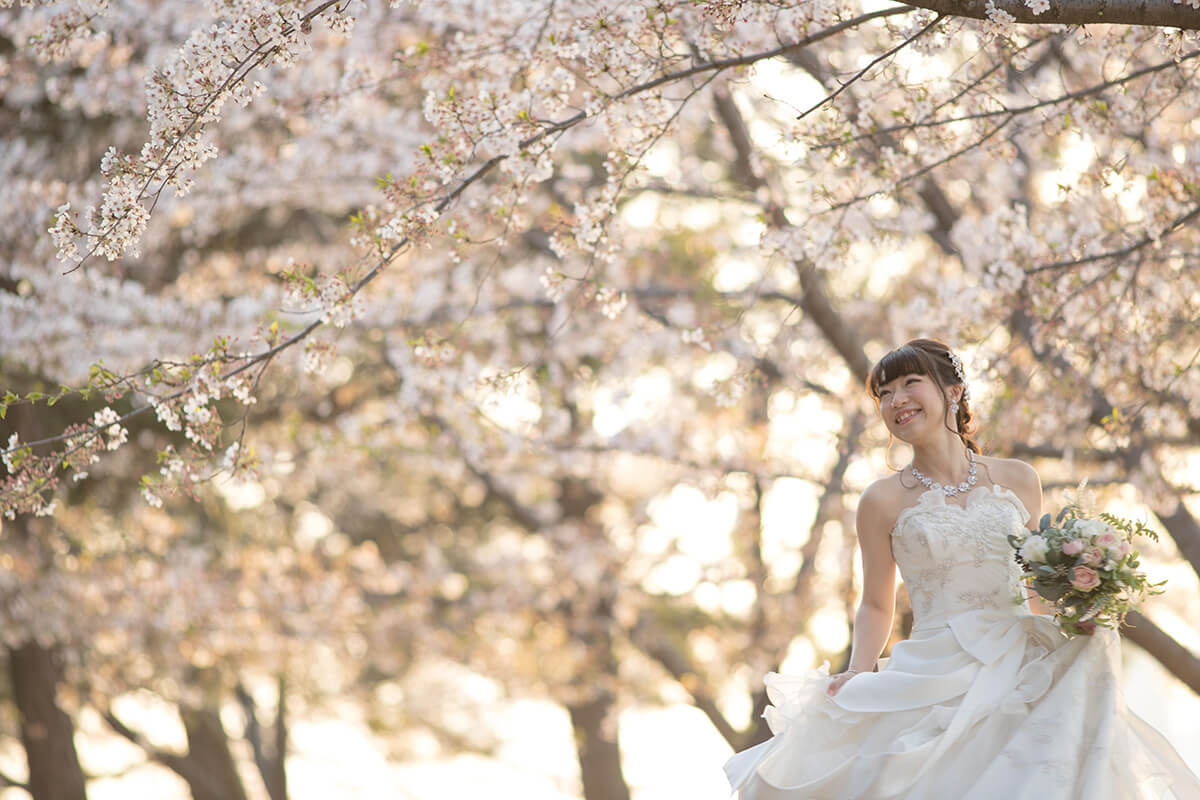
(956, 558)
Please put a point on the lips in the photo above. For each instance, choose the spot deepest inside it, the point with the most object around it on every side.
(905, 416)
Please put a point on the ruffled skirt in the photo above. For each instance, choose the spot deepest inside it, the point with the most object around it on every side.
(986, 706)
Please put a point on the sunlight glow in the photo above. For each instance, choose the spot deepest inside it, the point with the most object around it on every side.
(641, 211)
(699, 526)
(677, 576)
(738, 598)
(512, 403)
(617, 406)
(241, 495)
(789, 507)
(311, 527)
(1077, 155)
(734, 274)
(801, 429)
(829, 630)
(800, 657)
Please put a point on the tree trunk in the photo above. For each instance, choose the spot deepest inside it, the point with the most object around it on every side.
(1174, 657)
(598, 748)
(211, 773)
(269, 744)
(1185, 530)
(46, 731)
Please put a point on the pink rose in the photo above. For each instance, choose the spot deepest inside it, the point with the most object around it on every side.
(1125, 548)
(1093, 555)
(1084, 579)
(1109, 541)
(1073, 547)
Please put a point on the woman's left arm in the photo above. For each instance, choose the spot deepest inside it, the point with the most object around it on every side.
(1028, 486)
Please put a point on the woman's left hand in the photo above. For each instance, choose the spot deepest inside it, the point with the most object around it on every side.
(837, 681)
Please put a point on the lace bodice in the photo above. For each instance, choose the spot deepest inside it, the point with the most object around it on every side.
(957, 558)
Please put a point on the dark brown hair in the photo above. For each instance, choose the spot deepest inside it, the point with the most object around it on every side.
(925, 357)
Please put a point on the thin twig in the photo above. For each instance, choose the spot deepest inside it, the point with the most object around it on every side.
(867, 68)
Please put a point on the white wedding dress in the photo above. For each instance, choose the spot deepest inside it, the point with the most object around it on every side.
(985, 701)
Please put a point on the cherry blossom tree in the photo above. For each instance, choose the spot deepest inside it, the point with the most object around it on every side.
(474, 265)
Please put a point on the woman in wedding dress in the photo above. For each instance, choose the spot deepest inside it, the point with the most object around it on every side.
(987, 699)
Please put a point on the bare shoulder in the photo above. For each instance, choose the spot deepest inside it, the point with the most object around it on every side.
(1018, 476)
(880, 504)
(1012, 473)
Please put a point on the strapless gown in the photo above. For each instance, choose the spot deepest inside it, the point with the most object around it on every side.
(985, 701)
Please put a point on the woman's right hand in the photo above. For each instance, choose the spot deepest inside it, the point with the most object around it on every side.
(836, 682)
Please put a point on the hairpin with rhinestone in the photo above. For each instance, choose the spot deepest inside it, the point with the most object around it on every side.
(958, 371)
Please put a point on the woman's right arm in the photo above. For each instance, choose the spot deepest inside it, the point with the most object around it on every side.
(873, 622)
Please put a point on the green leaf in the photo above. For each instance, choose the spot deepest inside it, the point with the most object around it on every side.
(1048, 590)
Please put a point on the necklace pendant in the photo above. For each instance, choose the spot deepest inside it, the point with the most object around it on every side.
(948, 490)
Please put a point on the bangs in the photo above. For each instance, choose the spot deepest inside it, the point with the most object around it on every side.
(906, 360)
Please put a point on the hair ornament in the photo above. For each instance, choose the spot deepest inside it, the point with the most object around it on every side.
(958, 371)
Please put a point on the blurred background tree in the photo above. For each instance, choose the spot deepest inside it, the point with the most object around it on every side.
(524, 344)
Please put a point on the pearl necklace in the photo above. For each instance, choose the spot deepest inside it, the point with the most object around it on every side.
(951, 490)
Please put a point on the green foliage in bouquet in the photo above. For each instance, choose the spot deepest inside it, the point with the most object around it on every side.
(1085, 566)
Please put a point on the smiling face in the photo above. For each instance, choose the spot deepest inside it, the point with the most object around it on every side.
(911, 405)
(913, 387)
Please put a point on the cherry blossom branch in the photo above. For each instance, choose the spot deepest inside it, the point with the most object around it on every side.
(466, 182)
(925, 170)
(1176, 225)
(857, 76)
(1152, 13)
(742, 61)
(647, 636)
(442, 314)
(1065, 98)
(64, 228)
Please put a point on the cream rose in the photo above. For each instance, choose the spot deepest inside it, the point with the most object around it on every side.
(1091, 527)
(1035, 548)
(1092, 555)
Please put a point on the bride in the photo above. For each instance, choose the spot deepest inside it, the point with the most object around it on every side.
(986, 699)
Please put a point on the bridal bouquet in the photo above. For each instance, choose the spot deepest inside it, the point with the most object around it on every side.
(1084, 566)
